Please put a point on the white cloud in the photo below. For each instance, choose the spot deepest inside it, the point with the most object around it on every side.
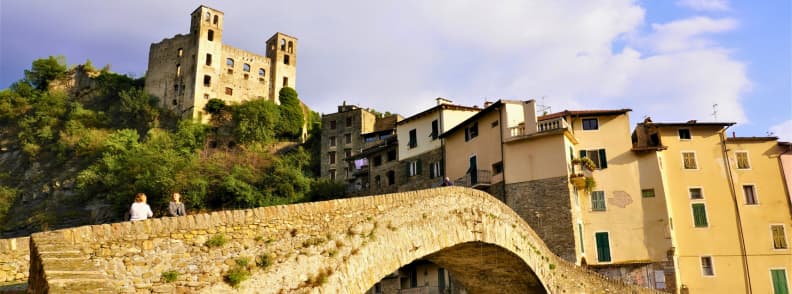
(686, 34)
(705, 5)
(783, 131)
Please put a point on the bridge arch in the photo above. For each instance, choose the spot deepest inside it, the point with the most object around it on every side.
(339, 246)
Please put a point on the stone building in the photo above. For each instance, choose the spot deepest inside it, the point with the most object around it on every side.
(185, 71)
(345, 134)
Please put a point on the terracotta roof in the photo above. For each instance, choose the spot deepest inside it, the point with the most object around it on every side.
(584, 113)
(472, 118)
(436, 108)
(691, 123)
(751, 139)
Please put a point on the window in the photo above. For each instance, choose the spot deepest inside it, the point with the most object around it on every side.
(780, 285)
(377, 181)
(435, 130)
(207, 81)
(283, 44)
(413, 139)
(229, 91)
(494, 123)
(706, 266)
(598, 201)
(391, 177)
(779, 237)
(598, 156)
(332, 141)
(590, 124)
(348, 138)
(262, 72)
(750, 194)
(660, 280)
(347, 153)
(229, 62)
(695, 193)
(413, 168)
(331, 157)
(603, 247)
(206, 96)
(377, 160)
(208, 59)
(497, 167)
(291, 47)
(246, 67)
(332, 174)
(178, 70)
(471, 131)
(647, 193)
(208, 16)
(180, 52)
(689, 160)
(230, 71)
(216, 19)
(332, 125)
(246, 76)
(434, 170)
(285, 81)
(285, 59)
(699, 215)
(684, 134)
(742, 160)
(348, 121)
(210, 35)
(392, 155)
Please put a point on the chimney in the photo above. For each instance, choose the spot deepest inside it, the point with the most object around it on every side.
(441, 101)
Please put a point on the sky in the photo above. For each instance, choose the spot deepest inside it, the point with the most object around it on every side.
(669, 60)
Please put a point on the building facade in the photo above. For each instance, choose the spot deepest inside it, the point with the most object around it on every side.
(185, 71)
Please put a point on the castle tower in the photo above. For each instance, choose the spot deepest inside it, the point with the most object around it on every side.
(282, 52)
(206, 29)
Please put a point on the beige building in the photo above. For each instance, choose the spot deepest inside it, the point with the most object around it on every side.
(185, 71)
(418, 277)
(728, 208)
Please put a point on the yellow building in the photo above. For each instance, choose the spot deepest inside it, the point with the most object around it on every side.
(728, 209)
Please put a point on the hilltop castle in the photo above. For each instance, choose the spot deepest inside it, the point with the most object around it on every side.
(187, 70)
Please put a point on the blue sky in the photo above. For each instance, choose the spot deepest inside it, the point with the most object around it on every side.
(671, 60)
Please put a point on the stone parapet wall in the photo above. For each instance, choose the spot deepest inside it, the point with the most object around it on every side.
(339, 246)
(14, 260)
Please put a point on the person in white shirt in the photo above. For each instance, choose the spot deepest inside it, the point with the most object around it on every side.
(140, 210)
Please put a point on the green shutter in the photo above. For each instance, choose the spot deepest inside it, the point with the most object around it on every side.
(603, 160)
(418, 167)
(582, 153)
(603, 247)
(580, 234)
(700, 215)
(780, 285)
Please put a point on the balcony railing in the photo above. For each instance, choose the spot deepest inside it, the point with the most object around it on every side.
(477, 179)
(552, 124)
(517, 131)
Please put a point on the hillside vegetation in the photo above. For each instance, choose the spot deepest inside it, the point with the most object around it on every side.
(77, 144)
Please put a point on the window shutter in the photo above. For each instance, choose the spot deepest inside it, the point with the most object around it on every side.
(467, 134)
(441, 172)
(582, 153)
(603, 159)
(418, 167)
(699, 215)
(407, 169)
(603, 247)
(779, 281)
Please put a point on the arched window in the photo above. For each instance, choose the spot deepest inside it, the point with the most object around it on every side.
(283, 44)
(246, 67)
(230, 62)
(216, 19)
(291, 47)
(210, 36)
(180, 52)
(178, 70)
(262, 72)
(285, 59)
(208, 16)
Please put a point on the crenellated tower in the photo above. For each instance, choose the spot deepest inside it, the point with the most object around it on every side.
(282, 52)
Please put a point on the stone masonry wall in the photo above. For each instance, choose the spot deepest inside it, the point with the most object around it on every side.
(545, 205)
(14, 260)
(423, 179)
(339, 246)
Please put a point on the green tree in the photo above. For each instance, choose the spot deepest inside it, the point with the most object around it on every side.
(214, 106)
(138, 110)
(44, 71)
(291, 113)
(255, 120)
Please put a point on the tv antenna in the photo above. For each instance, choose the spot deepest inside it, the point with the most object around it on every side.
(543, 109)
(715, 111)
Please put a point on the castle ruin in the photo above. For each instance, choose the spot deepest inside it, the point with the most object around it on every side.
(187, 70)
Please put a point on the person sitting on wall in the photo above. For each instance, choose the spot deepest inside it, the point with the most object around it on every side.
(176, 207)
(140, 210)
(447, 182)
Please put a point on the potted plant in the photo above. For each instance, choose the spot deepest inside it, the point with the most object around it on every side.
(578, 180)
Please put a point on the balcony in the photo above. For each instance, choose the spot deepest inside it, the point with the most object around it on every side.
(541, 126)
(481, 178)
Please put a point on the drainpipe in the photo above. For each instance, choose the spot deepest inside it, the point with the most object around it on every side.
(730, 178)
(503, 160)
(441, 130)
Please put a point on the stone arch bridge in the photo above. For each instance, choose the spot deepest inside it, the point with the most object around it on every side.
(339, 246)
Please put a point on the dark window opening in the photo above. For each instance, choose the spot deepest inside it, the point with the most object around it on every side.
(175, 102)
(285, 59)
(208, 59)
(291, 47)
(332, 125)
(230, 71)
(230, 62)
(497, 168)
(246, 67)
(684, 134)
(285, 81)
(392, 155)
(391, 178)
(283, 45)
(216, 19)
(229, 91)
(435, 130)
(207, 81)
(471, 131)
(413, 139)
(246, 76)
(208, 16)
(348, 121)
(590, 124)
(262, 72)
(210, 35)
(494, 123)
(377, 160)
